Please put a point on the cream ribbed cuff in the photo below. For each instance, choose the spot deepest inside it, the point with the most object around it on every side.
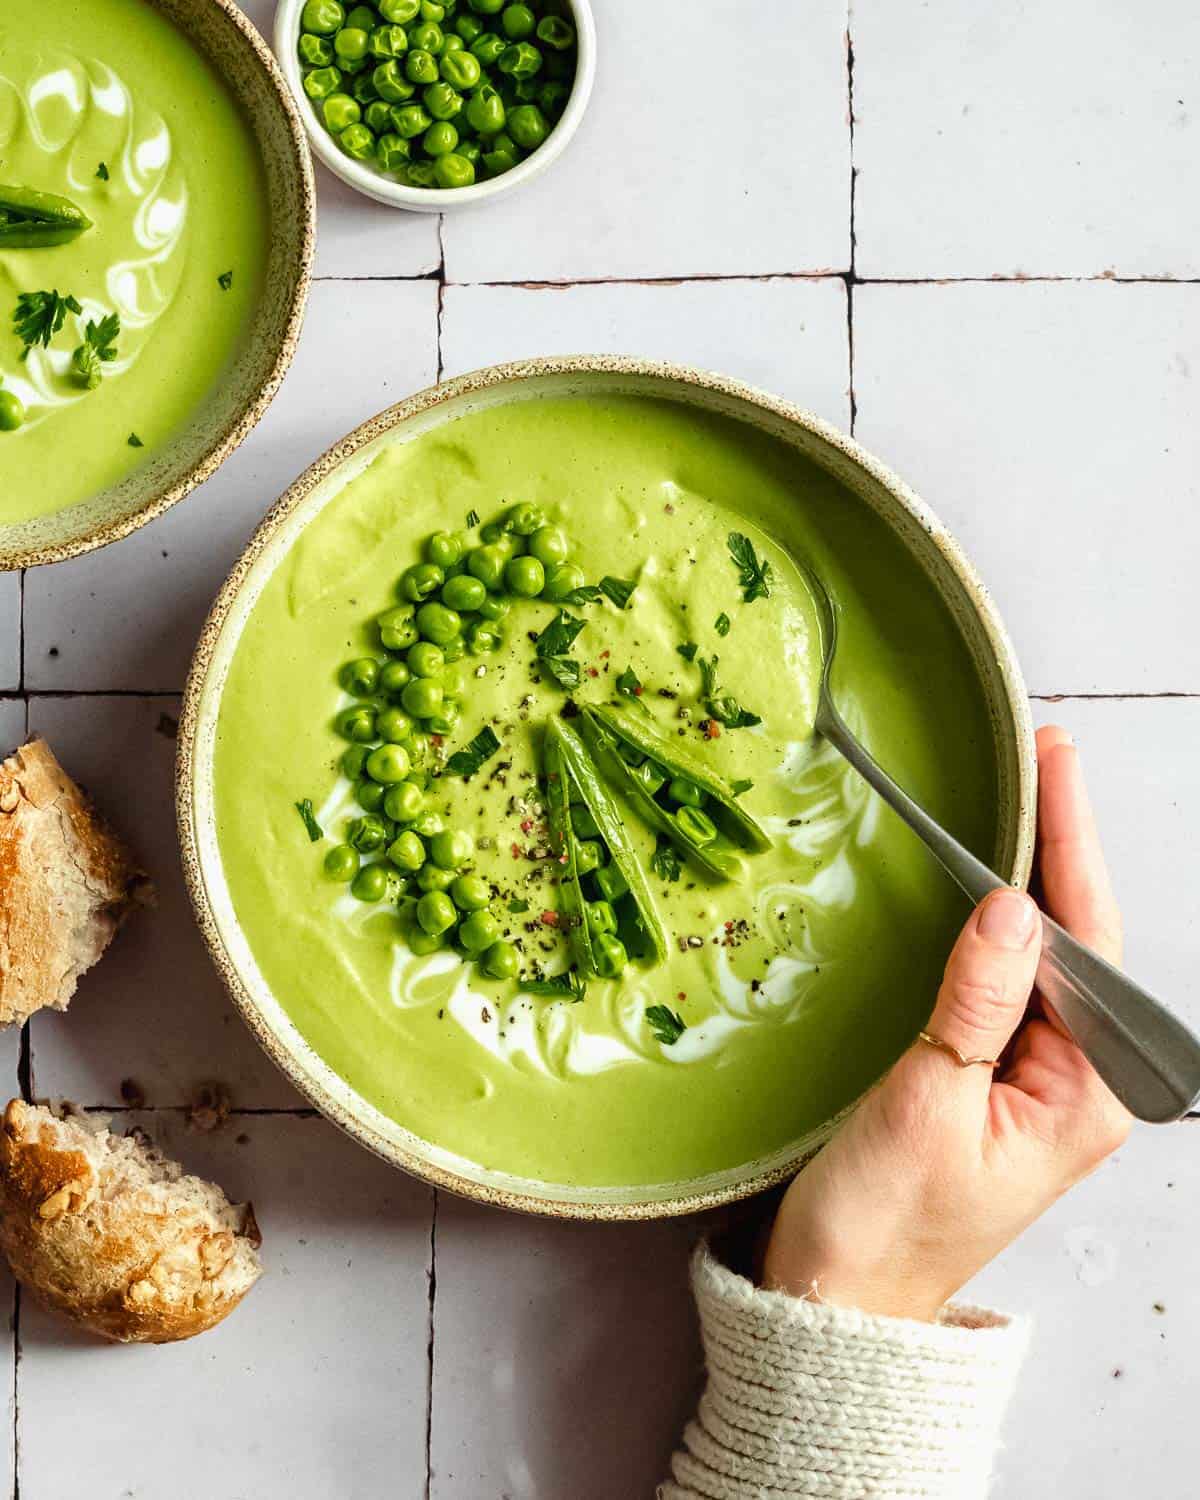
(805, 1399)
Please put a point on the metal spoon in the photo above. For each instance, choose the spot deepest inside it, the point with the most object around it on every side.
(1148, 1059)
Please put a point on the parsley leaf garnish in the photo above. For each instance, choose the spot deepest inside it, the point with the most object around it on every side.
(472, 518)
(586, 593)
(753, 575)
(688, 650)
(552, 647)
(98, 347)
(518, 905)
(708, 674)
(666, 1024)
(665, 861)
(738, 787)
(629, 683)
(134, 441)
(722, 623)
(724, 708)
(102, 171)
(617, 589)
(225, 280)
(482, 747)
(39, 316)
(568, 985)
(305, 809)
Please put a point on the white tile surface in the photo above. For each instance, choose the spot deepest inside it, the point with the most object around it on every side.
(708, 148)
(1026, 139)
(565, 1356)
(153, 1010)
(128, 615)
(10, 630)
(785, 335)
(316, 1386)
(1053, 428)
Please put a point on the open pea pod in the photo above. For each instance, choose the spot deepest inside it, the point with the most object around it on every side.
(588, 781)
(570, 901)
(30, 220)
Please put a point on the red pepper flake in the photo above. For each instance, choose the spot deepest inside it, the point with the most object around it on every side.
(436, 739)
(669, 508)
(603, 654)
(682, 995)
(526, 824)
(549, 919)
(516, 851)
(637, 692)
(592, 672)
(711, 729)
(728, 926)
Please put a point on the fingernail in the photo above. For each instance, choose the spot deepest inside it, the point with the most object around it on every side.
(1006, 919)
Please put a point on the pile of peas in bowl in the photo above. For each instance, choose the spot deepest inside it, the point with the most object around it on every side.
(438, 93)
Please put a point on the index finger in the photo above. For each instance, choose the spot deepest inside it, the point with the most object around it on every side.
(1075, 882)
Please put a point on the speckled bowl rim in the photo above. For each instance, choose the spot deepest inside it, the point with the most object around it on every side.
(234, 433)
(340, 1103)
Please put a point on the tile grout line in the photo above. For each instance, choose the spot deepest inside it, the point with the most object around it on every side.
(441, 290)
(829, 273)
(433, 1219)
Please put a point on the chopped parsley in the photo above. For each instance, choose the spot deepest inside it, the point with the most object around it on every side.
(722, 623)
(754, 576)
(305, 809)
(552, 647)
(618, 590)
(134, 441)
(629, 683)
(722, 706)
(586, 593)
(38, 317)
(666, 1024)
(102, 171)
(738, 787)
(517, 906)
(563, 986)
(482, 747)
(688, 650)
(225, 280)
(472, 518)
(98, 348)
(665, 861)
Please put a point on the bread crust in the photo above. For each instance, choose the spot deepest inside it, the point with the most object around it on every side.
(114, 1235)
(67, 882)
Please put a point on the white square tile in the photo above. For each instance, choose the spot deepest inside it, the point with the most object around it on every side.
(316, 1386)
(128, 616)
(1139, 757)
(1053, 428)
(565, 1357)
(10, 630)
(357, 236)
(1035, 140)
(152, 1010)
(708, 148)
(1105, 1401)
(784, 335)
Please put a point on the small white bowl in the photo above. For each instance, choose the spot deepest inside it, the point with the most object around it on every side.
(366, 179)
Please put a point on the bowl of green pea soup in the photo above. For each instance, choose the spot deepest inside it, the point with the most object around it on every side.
(431, 104)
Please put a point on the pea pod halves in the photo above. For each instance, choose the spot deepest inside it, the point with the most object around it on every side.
(570, 900)
(30, 220)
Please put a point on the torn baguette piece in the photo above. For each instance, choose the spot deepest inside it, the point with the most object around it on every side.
(67, 882)
(114, 1234)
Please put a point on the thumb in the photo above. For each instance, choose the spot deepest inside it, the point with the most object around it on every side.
(988, 979)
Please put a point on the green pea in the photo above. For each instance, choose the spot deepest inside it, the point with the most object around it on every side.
(389, 41)
(418, 752)
(501, 961)
(389, 763)
(520, 60)
(351, 44)
(459, 67)
(322, 17)
(368, 794)
(478, 931)
(525, 577)
(419, 174)
(393, 725)
(423, 943)
(469, 27)
(601, 917)
(356, 723)
(611, 882)
(368, 833)
(429, 823)
(341, 863)
(556, 33)
(454, 649)
(451, 848)
(354, 759)
(470, 892)
(427, 37)
(446, 718)
(397, 628)
(487, 564)
(486, 7)
(528, 126)
(358, 142)
(370, 884)
(431, 10)
(650, 775)
(441, 101)
(340, 111)
(378, 116)
(392, 151)
(425, 660)
(404, 802)
(588, 856)
(315, 51)
(685, 792)
(494, 608)
(362, 16)
(410, 121)
(609, 955)
(421, 581)
(583, 822)
(363, 89)
(524, 519)
(549, 545)
(470, 152)
(360, 677)
(463, 592)
(697, 827)
(482, 638)
(12, 412)
(394, 678)
(322, 83)
(435, 912)
(500, 159)
(552, 96)
(437, 623)
(485, 110)
(526, 90)
(440, 139)
(561, 580)
(487, 47)
(422, 698)
(517, 22)
(451, 169)
(389, 79)
(400, 11)
(421, 66)
(406, 851)
(444, 549)
(451, 45)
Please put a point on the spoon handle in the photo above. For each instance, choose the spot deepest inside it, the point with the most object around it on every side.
(1150, 1060)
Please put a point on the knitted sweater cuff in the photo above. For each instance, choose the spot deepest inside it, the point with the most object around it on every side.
(805, 1399)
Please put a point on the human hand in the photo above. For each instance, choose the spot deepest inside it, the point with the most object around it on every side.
(942, 1166)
